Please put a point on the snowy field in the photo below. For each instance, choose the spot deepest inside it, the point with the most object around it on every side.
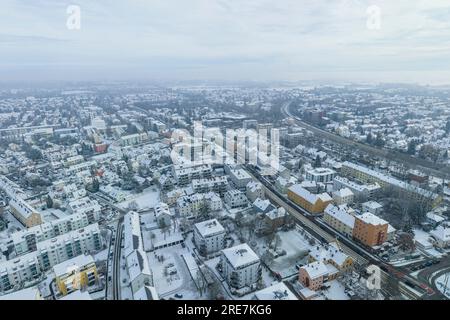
(148, 199)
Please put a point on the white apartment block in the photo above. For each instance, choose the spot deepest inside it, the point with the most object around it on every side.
(26, 240)
(240, 266)
(28, 267)
(235, 199)
(240, 178)
(323, 175)
(91, 208)
(185, 174)
(209, 236)
(214, 184)
(343, 196)
(77, 168)
(358, 189)
(191, 205)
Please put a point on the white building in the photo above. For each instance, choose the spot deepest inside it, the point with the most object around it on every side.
(213, 184)
(191, 205)
(240, 266)
(372, 207)
(323, 175)
(235, 199)
(91, 208)
(441, 235)
(240, 178)
(26, 240)
(209, 236)
(343, 196)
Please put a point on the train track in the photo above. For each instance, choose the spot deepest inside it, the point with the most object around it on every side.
(393, 281)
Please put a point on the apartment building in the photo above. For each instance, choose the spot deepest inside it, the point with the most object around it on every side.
(240, 178)
(241, 266)
(410, 191)
(343, 196)
(75, 274)
(29, 267)
(370, 229)
(314, 203)
(339, 219)
(323, 175)
(185, 174)
(91, 208)
(20, 209)
(209, 236)
(26, 240)
(235, 199)
(132, 139)
(214, 184)
(191, 205)
(69, 245)
(365, 190)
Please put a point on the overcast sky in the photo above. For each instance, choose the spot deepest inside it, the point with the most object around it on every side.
(226, 40)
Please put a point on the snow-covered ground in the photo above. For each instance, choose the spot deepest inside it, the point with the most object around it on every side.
(443, 284)
(166, 284)
(148, 199)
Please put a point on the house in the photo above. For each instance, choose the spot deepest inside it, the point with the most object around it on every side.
(313, 275)
(372, 207)
(262, 206)
(277, 291)
(441, 236)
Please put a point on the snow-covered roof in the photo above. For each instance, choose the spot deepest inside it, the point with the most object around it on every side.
(316, 269)
(344, 192)
(308, 196)
(441, 233)
(340, 213)
(240, 255)
(73, 264)
(278, 291)
(137, 264)
(372, 219)
(331, 253)
(209, 227)
(146, 293)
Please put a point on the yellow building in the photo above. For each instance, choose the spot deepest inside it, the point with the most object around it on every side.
(313, 203)
(332, 255)
(25, 213)
(75, 274)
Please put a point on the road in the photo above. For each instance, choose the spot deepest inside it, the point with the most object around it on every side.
(437, 170)
(390, 276)
(430, 275)
(116, 260)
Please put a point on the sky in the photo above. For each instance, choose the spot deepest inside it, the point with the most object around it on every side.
(255, 40)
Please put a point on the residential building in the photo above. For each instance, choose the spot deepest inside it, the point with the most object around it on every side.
(254, 190)
(323, 175)
(241, 266)
(75, 274)
(370, 229)
(209, 236)
(339, 219)
(235, 199)
(343, 196)
(313, 203)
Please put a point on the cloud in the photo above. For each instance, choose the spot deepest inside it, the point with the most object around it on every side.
(230, 39)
